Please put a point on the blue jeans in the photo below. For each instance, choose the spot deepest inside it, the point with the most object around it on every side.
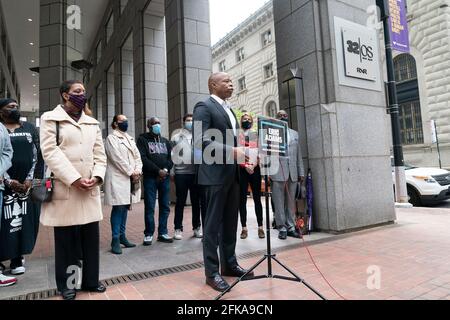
(151, 187)
(119, 216)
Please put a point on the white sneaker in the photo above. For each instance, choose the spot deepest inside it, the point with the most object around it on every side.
(18, 271)
(198, 233)
(7, 281)
(178, 235)
(148, 240)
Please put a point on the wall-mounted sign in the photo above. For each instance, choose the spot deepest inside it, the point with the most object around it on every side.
(398, 25)
(433, 131)
(359, 54)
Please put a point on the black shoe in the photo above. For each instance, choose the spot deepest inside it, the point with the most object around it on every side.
(237, 271)
(69, 294)
(218, 283)
(124, 241)
(293, 234)
(282, 235)
(98, 289)
(165, 238)
(115, 246)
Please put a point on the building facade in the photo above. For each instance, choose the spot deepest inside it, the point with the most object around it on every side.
(141, 58)
(423, 78)
(248, 54)
(9, 86)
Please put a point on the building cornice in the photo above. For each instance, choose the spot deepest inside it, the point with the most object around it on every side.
(244, 29)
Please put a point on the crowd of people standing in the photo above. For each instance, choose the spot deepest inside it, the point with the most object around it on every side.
(70, 149)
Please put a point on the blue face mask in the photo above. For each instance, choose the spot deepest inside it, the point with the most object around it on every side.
(188, 125)
(156, 129)
(123, 126)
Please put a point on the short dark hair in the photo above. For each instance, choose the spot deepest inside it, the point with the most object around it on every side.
(189, 115)
(66, 85)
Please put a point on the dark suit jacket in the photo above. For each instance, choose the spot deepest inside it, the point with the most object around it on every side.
(211, 115)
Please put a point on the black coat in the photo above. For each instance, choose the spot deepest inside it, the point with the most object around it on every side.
(211, 115)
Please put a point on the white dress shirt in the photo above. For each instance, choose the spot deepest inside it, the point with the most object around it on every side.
(227, 109)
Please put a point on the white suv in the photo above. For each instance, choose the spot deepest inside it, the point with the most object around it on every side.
(426, 185)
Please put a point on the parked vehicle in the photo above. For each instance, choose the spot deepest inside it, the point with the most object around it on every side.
(426, 186)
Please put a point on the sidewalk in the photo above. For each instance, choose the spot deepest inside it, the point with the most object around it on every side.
(413, 257)
(40, 265)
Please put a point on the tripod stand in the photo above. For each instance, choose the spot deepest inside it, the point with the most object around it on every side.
(269, 256)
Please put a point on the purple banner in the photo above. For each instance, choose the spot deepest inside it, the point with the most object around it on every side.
(398, 25)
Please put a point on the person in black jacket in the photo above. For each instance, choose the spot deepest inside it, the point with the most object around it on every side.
(156, 158)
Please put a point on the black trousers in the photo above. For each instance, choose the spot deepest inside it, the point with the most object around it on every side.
(183, 184)
(220, 227)
(73, 245)
(255, 183)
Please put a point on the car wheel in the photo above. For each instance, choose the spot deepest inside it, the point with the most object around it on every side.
(413, 197)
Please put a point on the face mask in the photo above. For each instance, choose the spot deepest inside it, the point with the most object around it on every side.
(79, 101)
(123, 126)
(12, 115)
(156, 129)
(247, 125)
(188, 125)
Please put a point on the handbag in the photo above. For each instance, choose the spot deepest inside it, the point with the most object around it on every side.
(42, 190)
(135, 186)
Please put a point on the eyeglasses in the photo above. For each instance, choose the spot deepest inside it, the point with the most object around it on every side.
(283, 116)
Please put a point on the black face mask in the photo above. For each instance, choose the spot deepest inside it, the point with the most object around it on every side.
(12, 115)
(247, 125)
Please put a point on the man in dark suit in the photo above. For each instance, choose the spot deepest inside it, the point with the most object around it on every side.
(218, 174)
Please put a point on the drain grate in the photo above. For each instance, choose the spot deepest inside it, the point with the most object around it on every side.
(47, 294)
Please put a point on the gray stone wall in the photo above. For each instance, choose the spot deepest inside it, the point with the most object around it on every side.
(188, 56)
(59, 46)
(346, 139)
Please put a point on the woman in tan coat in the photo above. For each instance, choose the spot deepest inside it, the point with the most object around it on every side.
(122, 182)
(73, 149)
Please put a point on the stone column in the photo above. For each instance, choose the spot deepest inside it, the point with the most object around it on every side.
(188, 56)
(347, 138)
(59, 46)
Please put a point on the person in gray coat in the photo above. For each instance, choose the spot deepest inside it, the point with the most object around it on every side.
(284, 184)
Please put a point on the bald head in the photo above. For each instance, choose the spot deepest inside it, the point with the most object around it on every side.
(152, 121)
(220, 84)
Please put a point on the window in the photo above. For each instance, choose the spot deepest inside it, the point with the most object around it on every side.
(268, 71)
(241, 84)
(38, 122)
(109, 28)
(240, 55)
(222, 66)
(271, 109)
(408, 99)
(123, 4)
(98, 52)
(405, 68)
(411, 123)
(267, 38)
